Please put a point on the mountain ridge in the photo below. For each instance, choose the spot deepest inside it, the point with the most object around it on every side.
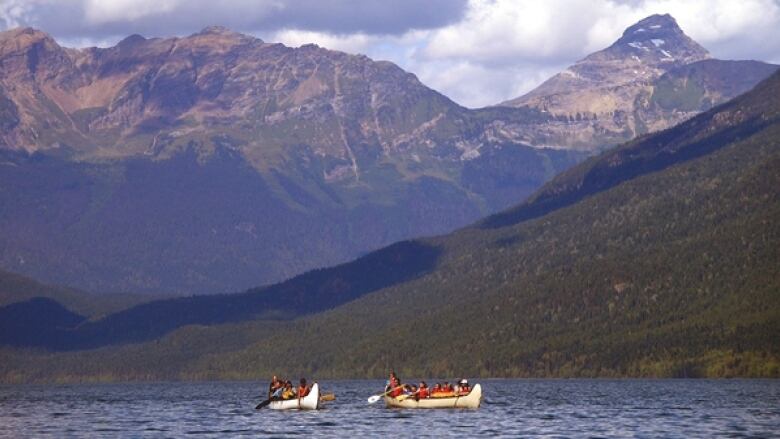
(688, 247)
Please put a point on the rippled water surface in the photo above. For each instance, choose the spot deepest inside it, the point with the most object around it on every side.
(516, 408)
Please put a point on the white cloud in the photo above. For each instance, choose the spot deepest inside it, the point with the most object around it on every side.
(14, 13)
(517, 39)
(397, 48)
(475, 85)
(352, 43)
(496, 32)
(107, 11)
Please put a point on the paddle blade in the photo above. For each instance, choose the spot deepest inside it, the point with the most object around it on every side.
(374, 398)
(328, 397)
(263, 404)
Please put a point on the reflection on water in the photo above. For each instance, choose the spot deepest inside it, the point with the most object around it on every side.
(560, 408)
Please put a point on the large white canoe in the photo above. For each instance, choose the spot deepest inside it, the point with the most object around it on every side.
(470, 401)
(308, 402)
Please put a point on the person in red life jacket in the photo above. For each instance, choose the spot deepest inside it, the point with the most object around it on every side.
(273, 388)
(436, 390)
(448, 388)
(423, 391)
(303, 389)
(394, 387)
(463, 387)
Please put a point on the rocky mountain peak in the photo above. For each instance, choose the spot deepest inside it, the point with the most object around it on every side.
(657, 37)
(633, 86)
(657, 24)
(216, 30)
(22, 39)
(221, 33)
(26, 53)
(131, 40)
(645, 51)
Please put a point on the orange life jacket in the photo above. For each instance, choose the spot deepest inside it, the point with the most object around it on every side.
(302, 391)
(423, 393)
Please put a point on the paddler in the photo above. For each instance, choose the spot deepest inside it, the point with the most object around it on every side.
(276, 384)
(303, 389)
(394, 387)
(463, 387)
(423, 392)
(288, 392)
(447, 389)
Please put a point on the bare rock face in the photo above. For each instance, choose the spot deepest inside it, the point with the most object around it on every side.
(152, 96)
(614, 94)
(217, 88)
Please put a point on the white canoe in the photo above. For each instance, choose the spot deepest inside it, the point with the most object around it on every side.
(308, 402)
(470, 401)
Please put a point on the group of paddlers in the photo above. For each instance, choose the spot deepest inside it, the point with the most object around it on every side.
(395, 389)
(280, 389)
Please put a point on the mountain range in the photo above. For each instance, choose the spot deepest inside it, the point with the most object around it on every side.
(218, 162)
(656, 258)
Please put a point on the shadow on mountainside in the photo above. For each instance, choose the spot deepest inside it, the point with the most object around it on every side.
(25, 325)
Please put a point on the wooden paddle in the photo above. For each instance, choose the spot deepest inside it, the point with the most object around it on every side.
(328, 397)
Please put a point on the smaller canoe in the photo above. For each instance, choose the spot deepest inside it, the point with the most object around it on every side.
(470, 401)
(308, 402)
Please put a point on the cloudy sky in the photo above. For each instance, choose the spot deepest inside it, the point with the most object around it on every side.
(477, 52)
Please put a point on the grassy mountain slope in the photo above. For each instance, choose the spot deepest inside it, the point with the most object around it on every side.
(658, 258)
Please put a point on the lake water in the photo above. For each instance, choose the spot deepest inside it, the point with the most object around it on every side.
(514, 408)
